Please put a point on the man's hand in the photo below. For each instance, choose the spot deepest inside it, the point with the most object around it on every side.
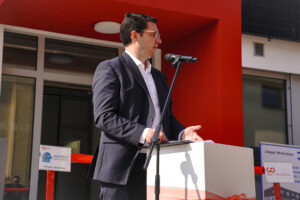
(161, 136)
(190, 134)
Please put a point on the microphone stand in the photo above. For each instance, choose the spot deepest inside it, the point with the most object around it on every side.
(155, 141)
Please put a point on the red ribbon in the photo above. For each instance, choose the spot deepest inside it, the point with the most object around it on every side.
(50, 185)
(81, 158)
(240, 197)
(16, 189)
(259, 170)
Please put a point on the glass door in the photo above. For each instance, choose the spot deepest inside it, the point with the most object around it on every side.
(68, 122)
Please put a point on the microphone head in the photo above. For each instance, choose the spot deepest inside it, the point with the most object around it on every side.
(194, 59)
(169, 57)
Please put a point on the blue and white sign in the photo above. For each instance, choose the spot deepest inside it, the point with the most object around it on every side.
(285, 154)
(55, 158)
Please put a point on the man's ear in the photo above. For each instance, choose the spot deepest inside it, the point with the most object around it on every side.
(133, 35)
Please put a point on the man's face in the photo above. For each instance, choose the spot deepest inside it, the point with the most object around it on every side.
(149, 40)
(15, 180)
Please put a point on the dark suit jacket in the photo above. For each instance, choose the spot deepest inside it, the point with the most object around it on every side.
(122, 110)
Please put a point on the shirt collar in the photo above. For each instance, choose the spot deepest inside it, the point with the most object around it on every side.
(140, 65)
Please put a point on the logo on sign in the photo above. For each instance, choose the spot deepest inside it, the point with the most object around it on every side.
(270, 170)
(47, 157)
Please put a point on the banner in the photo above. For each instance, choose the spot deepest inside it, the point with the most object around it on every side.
(280, 153)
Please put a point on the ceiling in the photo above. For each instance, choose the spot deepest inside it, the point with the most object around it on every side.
(78, 17)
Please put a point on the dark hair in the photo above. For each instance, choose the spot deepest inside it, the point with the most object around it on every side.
(134, 22)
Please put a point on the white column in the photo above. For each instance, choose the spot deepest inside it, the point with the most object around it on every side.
(1, 52)
(37, 123)
(295, 96)
(3, 150)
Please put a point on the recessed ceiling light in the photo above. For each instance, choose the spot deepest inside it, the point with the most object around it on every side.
(61, 58)
(107, 27)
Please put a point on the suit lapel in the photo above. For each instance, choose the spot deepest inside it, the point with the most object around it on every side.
(128, 62)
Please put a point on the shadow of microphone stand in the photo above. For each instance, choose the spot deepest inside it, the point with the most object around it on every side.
(187, 169)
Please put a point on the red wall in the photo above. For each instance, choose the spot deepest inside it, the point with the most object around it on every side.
(209, 92)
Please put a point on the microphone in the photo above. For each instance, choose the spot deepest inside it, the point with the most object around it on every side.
(170, 57)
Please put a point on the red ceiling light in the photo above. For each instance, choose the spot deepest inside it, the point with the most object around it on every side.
(107, 27)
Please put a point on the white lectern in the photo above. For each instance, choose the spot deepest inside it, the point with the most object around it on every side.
(203, 171)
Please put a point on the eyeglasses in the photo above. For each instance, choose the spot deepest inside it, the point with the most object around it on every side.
(155, 34)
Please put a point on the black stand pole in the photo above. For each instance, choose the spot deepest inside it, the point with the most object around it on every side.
(155, 141)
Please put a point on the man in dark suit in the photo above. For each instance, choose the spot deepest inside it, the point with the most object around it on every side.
(128, 96)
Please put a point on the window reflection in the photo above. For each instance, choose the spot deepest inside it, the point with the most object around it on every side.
(264, 110)
(65, 56)
(16, 120)
(19, 51)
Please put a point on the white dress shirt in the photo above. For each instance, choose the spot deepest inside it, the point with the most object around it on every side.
(146, 73)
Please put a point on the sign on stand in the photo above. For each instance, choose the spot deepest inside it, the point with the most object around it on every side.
(55, 158)
(282, 165)
(278, 172)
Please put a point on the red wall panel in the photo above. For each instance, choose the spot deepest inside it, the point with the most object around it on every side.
(209, 92)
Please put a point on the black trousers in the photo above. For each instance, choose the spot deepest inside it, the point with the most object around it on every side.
(135, 188)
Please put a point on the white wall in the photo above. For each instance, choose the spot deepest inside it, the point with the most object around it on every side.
(280, 55)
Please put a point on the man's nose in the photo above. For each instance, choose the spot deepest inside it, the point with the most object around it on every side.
(158, 40)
